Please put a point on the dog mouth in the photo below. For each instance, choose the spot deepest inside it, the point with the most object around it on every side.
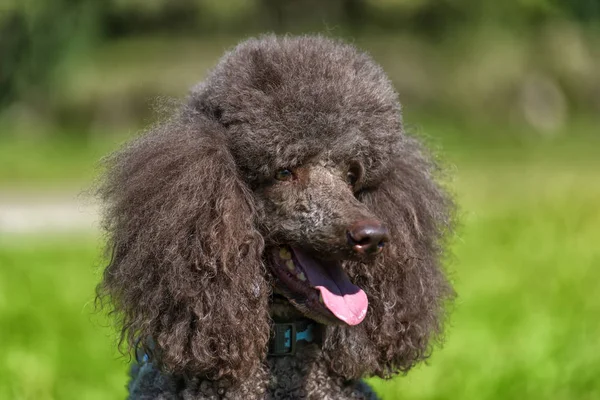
(319, 289)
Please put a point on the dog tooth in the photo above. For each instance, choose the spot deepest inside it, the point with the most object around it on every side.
(301, 276)
(285, 254)
(290, 265)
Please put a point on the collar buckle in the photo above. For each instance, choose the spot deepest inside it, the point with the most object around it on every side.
(283, 342)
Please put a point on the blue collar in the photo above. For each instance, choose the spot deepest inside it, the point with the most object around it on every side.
(286, 336)
(284, 340)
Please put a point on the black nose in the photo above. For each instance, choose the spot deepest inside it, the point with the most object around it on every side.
(368, 237)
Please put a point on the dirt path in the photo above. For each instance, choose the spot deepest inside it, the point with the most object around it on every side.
(46, 212)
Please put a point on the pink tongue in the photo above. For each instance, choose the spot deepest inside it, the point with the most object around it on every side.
(345, 300)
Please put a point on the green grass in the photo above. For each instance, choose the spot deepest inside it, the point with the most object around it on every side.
(526, 323)
(526, 271)
(53, 344)
(47, 160)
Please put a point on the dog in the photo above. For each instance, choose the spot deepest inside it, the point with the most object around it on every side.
(279, 236)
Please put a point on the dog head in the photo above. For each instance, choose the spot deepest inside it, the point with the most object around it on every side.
(287, 171)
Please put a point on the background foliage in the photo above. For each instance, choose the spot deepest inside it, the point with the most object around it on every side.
(507, 92)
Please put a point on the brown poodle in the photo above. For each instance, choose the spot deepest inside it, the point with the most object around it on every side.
(280, 236)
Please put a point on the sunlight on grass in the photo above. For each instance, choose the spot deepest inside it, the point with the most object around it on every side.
(55, 346)
(525, 324)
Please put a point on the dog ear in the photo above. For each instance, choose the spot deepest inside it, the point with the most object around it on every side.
(185, 269)
(406, 286)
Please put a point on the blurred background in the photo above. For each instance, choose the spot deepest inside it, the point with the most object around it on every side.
(506, 92)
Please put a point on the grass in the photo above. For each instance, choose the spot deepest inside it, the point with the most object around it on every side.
(526, 323)
(54, 345)
(526, 320)
(47, 161)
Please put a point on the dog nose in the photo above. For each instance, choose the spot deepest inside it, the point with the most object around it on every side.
(368, 237)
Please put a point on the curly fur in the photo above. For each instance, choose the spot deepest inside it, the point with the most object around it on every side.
(191, 209)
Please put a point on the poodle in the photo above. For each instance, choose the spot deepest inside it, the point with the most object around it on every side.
(279, 236)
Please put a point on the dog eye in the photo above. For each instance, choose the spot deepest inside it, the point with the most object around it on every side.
(284, 175)
(351, 178)
(354, 174)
